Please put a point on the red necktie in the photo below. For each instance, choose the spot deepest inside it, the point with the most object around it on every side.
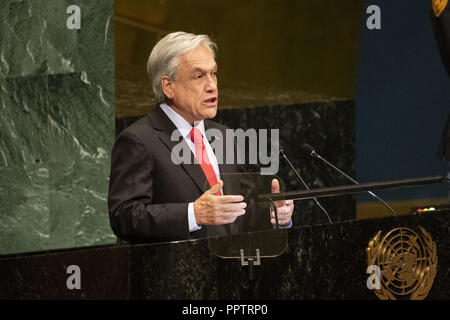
(202, 157)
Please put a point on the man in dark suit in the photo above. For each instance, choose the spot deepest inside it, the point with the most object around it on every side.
(153, 198)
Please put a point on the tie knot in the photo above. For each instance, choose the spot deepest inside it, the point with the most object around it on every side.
(196, 135)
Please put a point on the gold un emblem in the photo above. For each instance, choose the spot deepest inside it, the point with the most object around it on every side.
(407, 263)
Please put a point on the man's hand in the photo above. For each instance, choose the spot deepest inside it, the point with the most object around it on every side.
(210, 209)
(284, 207)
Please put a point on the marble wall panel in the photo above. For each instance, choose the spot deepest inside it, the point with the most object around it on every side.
(23, 48)
(88, 50)
(79, 150)
(24, 164)
(57, 124)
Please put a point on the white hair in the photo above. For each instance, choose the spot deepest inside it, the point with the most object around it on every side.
(165, 57)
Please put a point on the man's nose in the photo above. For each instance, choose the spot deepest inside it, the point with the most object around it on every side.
(211, 84)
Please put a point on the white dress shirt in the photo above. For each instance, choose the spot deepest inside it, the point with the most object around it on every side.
(185, 128)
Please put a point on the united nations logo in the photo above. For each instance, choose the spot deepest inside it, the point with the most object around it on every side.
(438, 6)
(407, 263)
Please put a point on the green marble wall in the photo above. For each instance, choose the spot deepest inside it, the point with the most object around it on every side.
(56, 124)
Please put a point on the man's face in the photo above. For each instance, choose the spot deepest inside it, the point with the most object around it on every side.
(194, 93)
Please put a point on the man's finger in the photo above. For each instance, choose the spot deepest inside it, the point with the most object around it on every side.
(282, 212)
(232, 216)
(280, 221)
(234, 206)
(275, 186)
(282, 203)
(228, 199)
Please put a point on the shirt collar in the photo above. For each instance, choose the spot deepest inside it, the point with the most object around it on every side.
(181, 123)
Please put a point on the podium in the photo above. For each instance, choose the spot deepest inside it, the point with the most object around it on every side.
(329, 261)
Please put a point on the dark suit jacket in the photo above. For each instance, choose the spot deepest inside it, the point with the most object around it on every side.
(149, 194)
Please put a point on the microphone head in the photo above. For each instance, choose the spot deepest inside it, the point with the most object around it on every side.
(307, 149)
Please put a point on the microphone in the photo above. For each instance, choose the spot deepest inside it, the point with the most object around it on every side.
(304, 183)
(307, 149)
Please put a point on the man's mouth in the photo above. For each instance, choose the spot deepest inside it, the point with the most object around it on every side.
(212, 100)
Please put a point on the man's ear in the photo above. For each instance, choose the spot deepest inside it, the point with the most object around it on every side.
(166, 86)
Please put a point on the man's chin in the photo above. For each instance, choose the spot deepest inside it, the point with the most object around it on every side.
(210, 113)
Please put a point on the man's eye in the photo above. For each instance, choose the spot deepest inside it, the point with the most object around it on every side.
(198, 76)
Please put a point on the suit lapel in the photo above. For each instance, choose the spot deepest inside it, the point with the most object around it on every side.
(165, 127)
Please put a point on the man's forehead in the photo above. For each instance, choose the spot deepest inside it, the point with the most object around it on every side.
(199, 58)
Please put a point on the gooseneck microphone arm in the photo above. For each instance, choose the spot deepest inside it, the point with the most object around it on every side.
(304, 183)
(310, 150)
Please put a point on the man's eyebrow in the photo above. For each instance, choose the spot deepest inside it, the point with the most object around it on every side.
(197, 69)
